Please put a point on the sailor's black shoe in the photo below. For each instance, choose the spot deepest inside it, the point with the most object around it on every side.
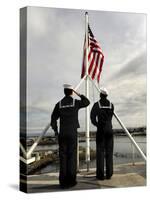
(100, 178)
(108, 177)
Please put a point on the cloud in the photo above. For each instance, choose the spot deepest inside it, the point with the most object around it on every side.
(55, 48)
(37, 119)
(133, 67)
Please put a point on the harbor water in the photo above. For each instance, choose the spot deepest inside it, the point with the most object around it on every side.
(123, 152)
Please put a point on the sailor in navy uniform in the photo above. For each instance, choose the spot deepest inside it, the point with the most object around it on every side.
(67, 111)
(101, 117)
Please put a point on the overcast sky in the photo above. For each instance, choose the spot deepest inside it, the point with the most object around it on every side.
(55, 40)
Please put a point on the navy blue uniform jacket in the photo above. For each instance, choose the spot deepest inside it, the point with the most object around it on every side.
(67, 111)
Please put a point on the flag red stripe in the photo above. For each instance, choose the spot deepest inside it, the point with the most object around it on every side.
(96, 66)
(100, 69)
(89, 56)
(92, 62)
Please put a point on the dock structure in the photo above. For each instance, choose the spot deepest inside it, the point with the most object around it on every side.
(125, 175)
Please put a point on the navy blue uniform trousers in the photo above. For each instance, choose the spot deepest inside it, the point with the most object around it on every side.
(68, 158)
(104, 152)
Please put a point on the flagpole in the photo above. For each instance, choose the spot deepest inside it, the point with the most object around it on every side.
(87, 95)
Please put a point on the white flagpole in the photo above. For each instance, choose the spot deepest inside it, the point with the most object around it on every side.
(87, 95)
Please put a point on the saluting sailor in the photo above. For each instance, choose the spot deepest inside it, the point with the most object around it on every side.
(67, 111)
(101, 117)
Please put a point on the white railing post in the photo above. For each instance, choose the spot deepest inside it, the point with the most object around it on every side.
(23, 150)
(37, 141)
(130, 137)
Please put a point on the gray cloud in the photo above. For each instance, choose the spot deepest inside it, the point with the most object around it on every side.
(55, 48)
(134, 67)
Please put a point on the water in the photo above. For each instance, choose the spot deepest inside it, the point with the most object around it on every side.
(122, 152)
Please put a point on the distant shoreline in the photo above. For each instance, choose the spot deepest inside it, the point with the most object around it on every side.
(51, 139)
(141, 131)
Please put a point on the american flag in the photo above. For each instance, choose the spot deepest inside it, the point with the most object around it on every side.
(95, 58)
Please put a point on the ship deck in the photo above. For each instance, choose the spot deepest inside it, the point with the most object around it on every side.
(125, 175)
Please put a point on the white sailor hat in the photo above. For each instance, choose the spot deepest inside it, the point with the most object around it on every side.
(104, 91)
(67, 86)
